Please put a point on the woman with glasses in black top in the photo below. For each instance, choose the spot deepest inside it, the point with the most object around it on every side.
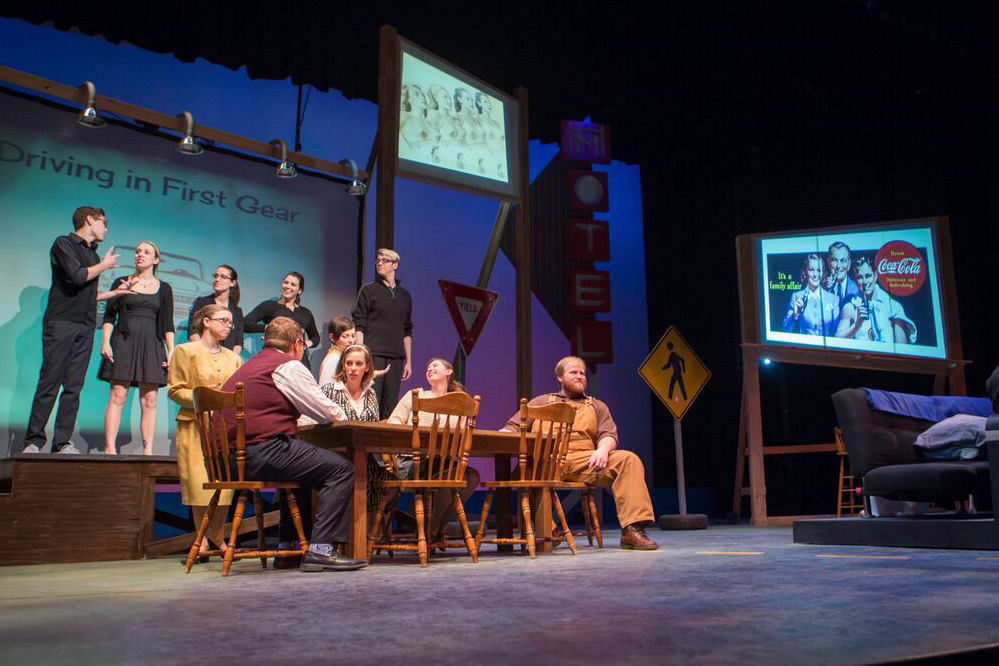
(225, 283)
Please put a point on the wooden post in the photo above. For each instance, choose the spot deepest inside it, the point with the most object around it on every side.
(522, 245)
(754, 435)
(388, 136)
(522, 241)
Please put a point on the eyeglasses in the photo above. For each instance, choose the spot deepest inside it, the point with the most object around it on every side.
(383, 260)
(225, 321)
(102, 221)
(222, 276)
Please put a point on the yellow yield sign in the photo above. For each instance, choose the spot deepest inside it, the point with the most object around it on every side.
(674, 372)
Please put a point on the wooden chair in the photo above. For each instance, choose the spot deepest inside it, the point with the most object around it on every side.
(215, 446)
(439, 466)
(846, 497)
(540, 461)
(589, 506)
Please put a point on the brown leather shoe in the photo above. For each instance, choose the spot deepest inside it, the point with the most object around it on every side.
(633, 537)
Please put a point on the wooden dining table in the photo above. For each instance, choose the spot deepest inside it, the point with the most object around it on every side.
(357, 439)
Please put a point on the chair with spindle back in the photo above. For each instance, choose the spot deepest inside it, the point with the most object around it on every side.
(438, 466)
(540, 460)
(224, 475)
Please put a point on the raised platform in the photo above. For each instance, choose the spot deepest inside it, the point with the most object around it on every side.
(917, 532)
(79, 508)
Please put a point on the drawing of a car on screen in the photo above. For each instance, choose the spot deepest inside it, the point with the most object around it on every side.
(185, 275)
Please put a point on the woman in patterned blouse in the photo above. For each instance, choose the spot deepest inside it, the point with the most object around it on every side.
(351, 390)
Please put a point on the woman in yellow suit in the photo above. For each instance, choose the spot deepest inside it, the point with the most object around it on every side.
(204, 362)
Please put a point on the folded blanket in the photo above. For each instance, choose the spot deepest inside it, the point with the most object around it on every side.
(933, 408)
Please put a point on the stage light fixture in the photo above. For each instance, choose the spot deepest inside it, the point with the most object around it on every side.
(187, 145)
(286, 169)
(357, 187)
(767, 361)
(88, 117)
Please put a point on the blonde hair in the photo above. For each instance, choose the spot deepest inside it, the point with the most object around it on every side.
(282, 332)
(156, 252)
(369, 372)
(391, 254)
(560, 366)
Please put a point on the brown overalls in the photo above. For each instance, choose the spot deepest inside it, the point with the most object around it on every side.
(624, 474)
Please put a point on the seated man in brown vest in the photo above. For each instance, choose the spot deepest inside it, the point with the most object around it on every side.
(594, 456)
(278, 390)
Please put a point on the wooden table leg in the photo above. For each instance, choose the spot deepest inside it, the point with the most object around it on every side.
(358, 544)
(504, 502)
(543, 520)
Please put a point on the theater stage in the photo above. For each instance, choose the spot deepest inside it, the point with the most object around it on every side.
(728, 595)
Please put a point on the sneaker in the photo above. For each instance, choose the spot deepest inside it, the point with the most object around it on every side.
(68, 448)
(335, 561)
(634, 537)
(31, 448)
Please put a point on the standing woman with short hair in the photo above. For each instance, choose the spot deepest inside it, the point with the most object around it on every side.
(138, 341)
(225, 286)
(289, 304)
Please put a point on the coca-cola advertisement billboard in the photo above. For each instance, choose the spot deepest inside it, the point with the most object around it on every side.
(871, 289)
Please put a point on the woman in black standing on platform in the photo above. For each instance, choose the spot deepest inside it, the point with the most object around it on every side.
(225, 286)
(137, 345)
(289, 304)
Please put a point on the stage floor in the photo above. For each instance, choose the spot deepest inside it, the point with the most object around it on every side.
(728, 595)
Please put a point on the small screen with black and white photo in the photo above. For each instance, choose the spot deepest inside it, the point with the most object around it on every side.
(453, 128)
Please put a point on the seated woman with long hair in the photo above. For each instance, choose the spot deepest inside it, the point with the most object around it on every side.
(440, 376)
(351, 389)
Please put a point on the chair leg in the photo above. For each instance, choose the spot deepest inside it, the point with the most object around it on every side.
(258, 513)
(565, 526)
(202, 529)
(479, 533)
(296, 518)
(377, 523)
(595, 520)
(469, 541)
(525, 509)
(421, 537)
(236, 520)
(584, 503)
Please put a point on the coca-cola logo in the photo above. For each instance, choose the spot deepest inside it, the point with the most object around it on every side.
(901, 268)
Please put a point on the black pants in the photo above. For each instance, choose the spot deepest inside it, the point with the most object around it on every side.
(66, 349)
(387, 386)
(282, 458)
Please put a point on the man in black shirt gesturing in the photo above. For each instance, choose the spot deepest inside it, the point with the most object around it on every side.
(383, 318)
(68, 327)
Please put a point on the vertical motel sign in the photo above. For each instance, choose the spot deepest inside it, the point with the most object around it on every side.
(588, 240)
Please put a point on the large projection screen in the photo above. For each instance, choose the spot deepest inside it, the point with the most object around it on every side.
(200, 210)
(454, 129)
(870, 288)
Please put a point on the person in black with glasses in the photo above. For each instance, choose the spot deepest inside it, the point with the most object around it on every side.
(225, 285)
(68, 327)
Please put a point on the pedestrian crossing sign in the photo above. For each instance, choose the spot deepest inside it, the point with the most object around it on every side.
(674, 372)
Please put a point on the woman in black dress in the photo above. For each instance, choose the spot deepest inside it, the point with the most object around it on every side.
(289, 304)
(138, 341)
(225, 285)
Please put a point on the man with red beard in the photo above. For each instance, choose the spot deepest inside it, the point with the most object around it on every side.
(594, 456)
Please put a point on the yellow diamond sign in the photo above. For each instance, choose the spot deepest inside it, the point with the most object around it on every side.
(674, 372)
